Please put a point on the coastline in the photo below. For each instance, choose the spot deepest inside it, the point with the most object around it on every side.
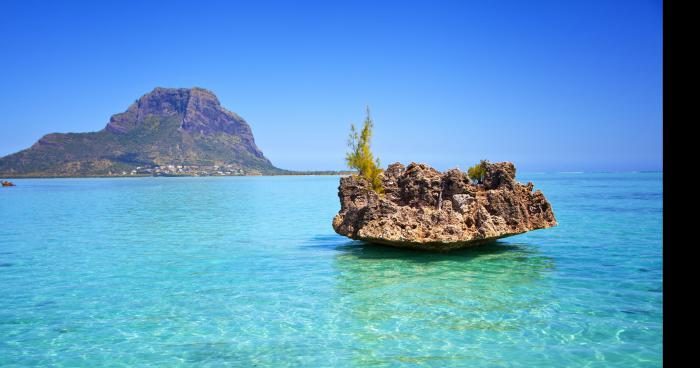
(298, 173)
(302, 173)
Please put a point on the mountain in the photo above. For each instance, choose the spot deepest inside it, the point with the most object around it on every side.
(167, 131)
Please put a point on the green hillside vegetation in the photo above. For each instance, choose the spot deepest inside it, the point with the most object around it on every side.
(156, 142)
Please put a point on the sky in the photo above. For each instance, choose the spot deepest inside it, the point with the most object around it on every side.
(548, 85)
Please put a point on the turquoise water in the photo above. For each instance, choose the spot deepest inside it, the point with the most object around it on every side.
(247, 271)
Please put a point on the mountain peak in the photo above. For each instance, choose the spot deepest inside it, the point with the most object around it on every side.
(160, 93)
(198, 110)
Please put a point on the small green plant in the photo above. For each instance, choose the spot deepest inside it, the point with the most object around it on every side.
(478, 171)
(360, 156)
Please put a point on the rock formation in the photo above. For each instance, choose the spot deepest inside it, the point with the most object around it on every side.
(422, 208)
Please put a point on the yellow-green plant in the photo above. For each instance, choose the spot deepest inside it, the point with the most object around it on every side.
(478, 171)
(360, 156)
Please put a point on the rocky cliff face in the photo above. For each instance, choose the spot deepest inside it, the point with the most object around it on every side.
(423, 208)
(167, 126)
(198, 110)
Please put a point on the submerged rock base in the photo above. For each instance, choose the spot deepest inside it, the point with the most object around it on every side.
(422, 208)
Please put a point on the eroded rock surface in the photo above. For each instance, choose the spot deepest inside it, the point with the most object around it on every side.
(423, 208)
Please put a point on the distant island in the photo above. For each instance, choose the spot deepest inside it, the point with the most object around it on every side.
(166, 132)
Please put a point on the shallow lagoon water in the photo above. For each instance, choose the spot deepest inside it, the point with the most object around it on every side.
(247, 271)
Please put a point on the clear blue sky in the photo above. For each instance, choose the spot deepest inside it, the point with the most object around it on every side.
(549, 85)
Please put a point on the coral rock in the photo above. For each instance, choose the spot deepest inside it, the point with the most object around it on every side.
(422, 208)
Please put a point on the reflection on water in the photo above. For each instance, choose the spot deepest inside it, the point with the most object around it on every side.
(413, 306)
